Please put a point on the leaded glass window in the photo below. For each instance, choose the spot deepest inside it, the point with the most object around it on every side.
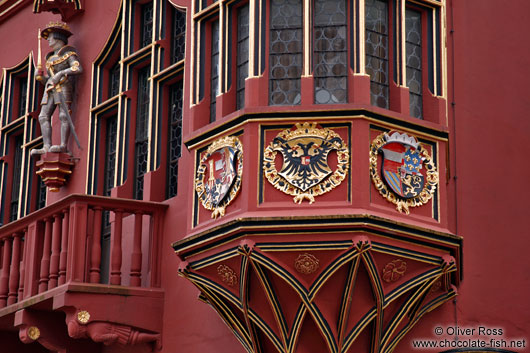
(141, 139)
(414, 73)
(146, 25)
(330, 51)
(23, 87)
(179, 36)
(286, 48)
(214, 87)
(376, 26)
(242, 54)
(17, 173)
(175, 137)
(41, 194)
(114, 80)
(110, 155)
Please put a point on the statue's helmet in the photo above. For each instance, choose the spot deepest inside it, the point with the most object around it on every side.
(60, 30)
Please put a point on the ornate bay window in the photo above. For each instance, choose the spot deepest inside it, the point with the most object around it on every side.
(286, 52)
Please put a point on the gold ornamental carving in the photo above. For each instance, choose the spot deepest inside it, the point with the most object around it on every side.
(218, 177)
(305, 172)
(227, 275)
(394, 270)
(306, 264)
(83, 316)
(34, 333)
(408, 176)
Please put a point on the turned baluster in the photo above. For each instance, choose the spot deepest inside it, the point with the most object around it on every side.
(45, 261)
(14, 274)
(136, 257)
(115, 249)
(64, 248)
(56, 248)
(23, 251)
(95, 255)
(4, 276)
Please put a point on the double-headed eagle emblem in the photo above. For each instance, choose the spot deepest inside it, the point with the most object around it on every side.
(305, 172)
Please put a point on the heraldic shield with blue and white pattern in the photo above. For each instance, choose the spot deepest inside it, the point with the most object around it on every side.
(401, 167)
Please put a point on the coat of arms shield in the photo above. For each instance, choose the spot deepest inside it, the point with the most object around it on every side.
(401, 168)
(408, 174)
(219, 175)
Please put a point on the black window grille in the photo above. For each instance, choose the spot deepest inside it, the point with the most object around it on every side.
(242, 54)
(376, 26)
(141, 139)
(414, 70)
(114, 80)
(286, 48)
(179, 36)
(23, 87)
(214, 89)
(330, 51)
(174, 138)
(146, 25)
(17, 173)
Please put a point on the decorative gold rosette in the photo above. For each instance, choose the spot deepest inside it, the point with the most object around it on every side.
(305, 172)
(218, 178)
(401, 180)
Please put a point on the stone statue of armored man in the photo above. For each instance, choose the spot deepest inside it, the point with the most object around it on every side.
(61, 64)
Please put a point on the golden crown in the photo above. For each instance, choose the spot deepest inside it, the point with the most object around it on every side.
(58, 25)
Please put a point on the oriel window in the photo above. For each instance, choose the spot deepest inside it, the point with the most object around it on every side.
(242, 54)
(146, 28)
(179, 36)
(330, 51)
(376, 46)
(17, 172)
(286, 47)
(214, 74)
(414, 68)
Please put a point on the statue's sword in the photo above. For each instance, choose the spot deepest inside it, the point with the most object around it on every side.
(63, 105)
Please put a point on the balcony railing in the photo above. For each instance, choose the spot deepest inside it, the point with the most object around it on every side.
(61, 243)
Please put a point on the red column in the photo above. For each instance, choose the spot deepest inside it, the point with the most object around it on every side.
(45, 261)
(56, 248)
(14, 275)
(136, 257)
(95, 254)
(4, 276)
(64, 248)
(115, 251)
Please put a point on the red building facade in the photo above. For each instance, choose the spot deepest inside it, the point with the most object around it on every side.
(268, 176)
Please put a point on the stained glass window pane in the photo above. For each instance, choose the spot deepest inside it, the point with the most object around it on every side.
(214, 87)
(414, 72)
(41, 194)
(286, 48)
(147, 25)
(110, 155)
(114, 80)
(330, 51)
(376, 47)
(242, 54)
(141, 142)
(179, 36)
(23, 84)
(17, 172)
(175, 137)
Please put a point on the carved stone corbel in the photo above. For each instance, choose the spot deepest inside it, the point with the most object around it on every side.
(80, 325)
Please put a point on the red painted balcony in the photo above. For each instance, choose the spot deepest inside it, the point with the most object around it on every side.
(54, 262)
